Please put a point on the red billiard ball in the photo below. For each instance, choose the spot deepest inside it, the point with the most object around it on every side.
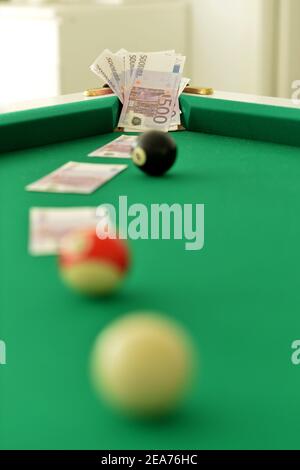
(91, 265)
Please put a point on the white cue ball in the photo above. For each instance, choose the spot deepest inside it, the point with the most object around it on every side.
(142, 364)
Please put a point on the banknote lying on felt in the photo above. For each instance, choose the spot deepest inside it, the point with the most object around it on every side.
(118, 148)
(76, 178)
(49, 226)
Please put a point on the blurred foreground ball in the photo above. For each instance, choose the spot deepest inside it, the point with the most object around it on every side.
(93, 266)
(142, 364)
(155, 153)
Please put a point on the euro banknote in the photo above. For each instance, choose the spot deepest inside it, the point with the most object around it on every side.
(76, 178)
(150, 100)
(48, 226)
(109, 67)
(118, 148)
(148, 85)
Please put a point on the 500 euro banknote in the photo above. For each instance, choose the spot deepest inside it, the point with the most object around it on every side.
(131, 60)
(76, 178)
(110, 68)
(49, 226)
(151, 99)
(176, 120)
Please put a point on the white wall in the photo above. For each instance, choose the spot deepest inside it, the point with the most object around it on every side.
(29, 57)
(143, 26)
(46, 50)
(288, 46)
(233, 44)
(247, 46)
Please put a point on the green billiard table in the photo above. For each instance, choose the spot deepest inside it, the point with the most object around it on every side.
(239, 297)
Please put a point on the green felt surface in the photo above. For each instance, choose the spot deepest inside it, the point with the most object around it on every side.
(239, 298)
(241, 119)
(52, 124)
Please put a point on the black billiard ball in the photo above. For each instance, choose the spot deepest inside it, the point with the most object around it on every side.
(154, 153)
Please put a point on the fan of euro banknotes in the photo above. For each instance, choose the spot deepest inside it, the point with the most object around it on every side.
(148, 85)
